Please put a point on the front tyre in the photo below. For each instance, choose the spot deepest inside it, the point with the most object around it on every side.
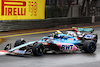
(38, 49)
(89, 46)
(19, 42)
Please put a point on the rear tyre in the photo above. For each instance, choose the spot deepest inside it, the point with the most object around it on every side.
(38, 49)
(89, 46)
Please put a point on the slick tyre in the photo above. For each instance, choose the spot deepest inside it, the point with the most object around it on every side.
(38, 49)
(89, 46)
(19, 42)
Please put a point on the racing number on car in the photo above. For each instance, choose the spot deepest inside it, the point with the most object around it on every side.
(66, 47)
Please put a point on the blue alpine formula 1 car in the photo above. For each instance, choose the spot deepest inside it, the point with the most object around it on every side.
(59, 43)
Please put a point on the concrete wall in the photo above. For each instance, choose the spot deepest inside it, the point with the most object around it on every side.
(97, 18)
(75, 11)
(32, 24)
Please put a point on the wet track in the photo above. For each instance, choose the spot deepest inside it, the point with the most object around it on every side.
(77, 59)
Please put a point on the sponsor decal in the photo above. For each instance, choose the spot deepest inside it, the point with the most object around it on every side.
(66, 47)
(45, 43)
(22, 9)
(13, 11)
(70, 39)
(19, 51)
(88, 36)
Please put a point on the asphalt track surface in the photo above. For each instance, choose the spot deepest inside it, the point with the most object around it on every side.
(76, 59)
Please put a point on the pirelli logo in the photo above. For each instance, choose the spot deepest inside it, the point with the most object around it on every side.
(22, 9)
(19, 9)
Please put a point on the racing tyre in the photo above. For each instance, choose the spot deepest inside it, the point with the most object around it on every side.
(38, 49)
(89, 46)
(19, 42)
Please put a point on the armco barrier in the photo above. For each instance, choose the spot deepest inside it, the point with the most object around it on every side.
(32, 24)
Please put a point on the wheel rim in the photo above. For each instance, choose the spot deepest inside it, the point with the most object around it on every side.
(40, 50)
(92, 47)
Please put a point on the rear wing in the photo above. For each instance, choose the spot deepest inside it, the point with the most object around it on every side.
(86, 29)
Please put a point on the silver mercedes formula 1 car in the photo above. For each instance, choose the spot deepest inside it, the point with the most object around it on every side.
(83, 33)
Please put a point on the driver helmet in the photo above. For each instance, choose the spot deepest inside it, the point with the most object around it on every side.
(58, 32)
(74, 29)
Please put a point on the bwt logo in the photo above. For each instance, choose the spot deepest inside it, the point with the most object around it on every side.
(66, 47)
(19, 9)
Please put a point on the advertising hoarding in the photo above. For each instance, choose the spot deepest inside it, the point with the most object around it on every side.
(22, 9)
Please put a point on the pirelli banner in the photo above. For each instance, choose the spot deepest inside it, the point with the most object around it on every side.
(22, 9)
